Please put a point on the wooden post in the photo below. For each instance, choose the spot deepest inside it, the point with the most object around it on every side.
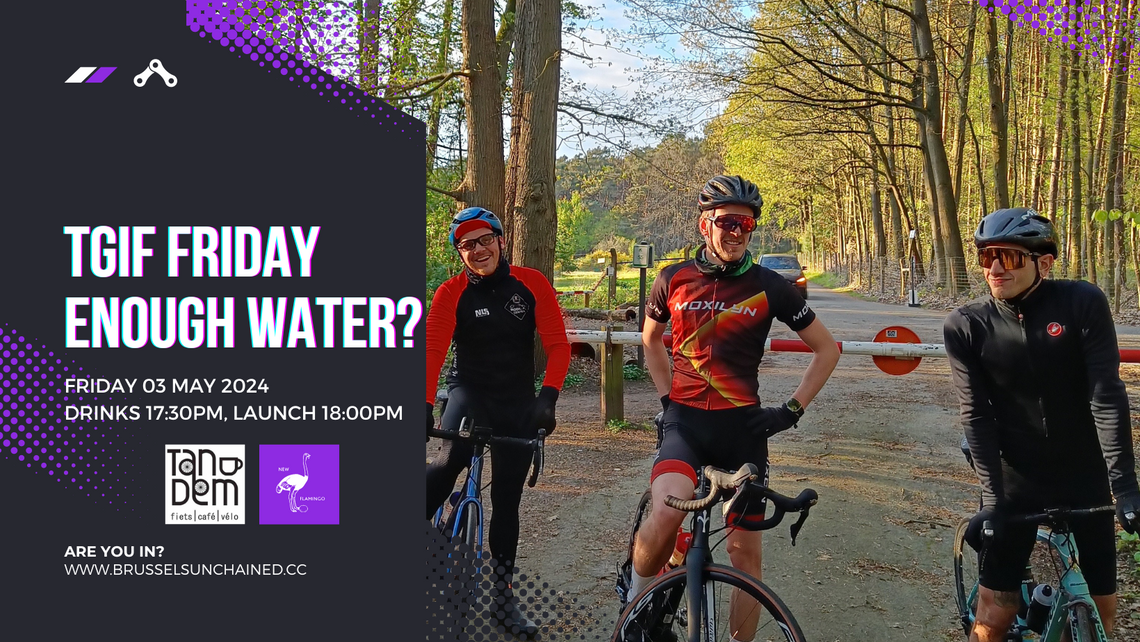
(612, 378)
(586, 304)
(641, 317)
(613, 277)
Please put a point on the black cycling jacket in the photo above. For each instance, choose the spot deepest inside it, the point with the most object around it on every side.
(1043, 406)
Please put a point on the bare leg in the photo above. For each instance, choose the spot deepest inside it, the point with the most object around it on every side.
(745, 552)
(996, 612)
(1106, 606)
(657, 535)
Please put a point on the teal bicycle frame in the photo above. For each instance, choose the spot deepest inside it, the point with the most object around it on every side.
(1072, 591)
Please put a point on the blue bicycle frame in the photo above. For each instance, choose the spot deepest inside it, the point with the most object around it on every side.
(1073, 590)
(469, 499)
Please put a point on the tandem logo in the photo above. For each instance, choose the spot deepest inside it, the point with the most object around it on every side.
(205, 484)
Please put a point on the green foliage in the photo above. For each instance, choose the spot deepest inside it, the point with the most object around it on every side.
(1130, 544)
(573, 380)
(616, 426)
(631, 372)
(824, 279)
(1101, 216)
(575, 225)
(442, 259)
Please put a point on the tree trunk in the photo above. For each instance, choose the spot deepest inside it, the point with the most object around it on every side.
(889, 160)
(485, 178)
(1076, 221)
(368, 53)
(1114, 178)
(538, 42)
(505, 39)
(1038, 115)
(964, 102)
(939, 165)
(999, 130)
(435, 112)
(1058, 137)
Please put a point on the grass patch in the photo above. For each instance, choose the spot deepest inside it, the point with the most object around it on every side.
(573, 380)
(631, 372)
(825, 279)
(615, 426)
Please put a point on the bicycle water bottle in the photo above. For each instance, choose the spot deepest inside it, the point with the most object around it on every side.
(1039, 607)
(682, 547)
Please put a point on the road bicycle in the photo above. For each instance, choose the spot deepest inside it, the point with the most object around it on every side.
(1071, 605)
(461, 516)
(692, 601)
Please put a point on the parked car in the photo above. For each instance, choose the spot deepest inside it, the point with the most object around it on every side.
(787, 266)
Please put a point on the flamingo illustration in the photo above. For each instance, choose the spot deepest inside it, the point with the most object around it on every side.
(294, 483)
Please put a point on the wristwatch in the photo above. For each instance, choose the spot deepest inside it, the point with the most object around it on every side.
(796, 407)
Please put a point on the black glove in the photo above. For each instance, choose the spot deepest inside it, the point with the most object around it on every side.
(974, 530)
(430, 420)
(541, 413)
(1129, 502)
(772, 420)
(665, 402)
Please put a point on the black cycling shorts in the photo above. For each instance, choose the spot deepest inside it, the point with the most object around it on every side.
(693, 438)
(1002, 567)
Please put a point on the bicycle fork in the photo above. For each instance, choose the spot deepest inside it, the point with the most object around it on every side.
(701, 610)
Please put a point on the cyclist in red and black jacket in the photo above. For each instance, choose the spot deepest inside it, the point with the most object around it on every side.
(1036, 366)
(490, 312)
(721, 306)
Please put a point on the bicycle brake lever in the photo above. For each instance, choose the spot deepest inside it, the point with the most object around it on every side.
(799, 524)
(538, 460)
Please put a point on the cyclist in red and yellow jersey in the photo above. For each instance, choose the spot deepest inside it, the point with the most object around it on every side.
(721, 306)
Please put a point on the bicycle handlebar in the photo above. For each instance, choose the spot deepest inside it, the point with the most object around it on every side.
(720, 480)
(1059, 514)
(1050, 516)
(482, 435)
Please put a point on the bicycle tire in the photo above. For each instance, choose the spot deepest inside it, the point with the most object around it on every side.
(965, 577)
(1085, 624)
(774, 617)
(625, 571)
(644, 508)
(470, 529)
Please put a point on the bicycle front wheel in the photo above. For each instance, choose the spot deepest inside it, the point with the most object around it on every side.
(965, 577)
(1083, 624)
(658, 616)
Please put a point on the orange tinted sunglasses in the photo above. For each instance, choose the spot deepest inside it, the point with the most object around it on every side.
(1010, 258)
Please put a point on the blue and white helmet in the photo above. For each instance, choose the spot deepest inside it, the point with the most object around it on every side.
(473, 218)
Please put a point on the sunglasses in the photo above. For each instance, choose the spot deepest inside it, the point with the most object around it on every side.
(1010, 258)
(730, 222)
(470, 244)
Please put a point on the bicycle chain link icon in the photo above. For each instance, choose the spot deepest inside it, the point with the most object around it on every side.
(155, 67)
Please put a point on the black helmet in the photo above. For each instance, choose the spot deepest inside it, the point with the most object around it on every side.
(729, 190)
(1018, 226)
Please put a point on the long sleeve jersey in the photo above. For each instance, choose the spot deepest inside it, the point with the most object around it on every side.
(492, 323)
(1042, 403)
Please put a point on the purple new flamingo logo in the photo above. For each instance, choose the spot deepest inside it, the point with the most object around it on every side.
(293, 483)
(309, 474)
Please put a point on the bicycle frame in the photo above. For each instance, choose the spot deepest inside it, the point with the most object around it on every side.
(471, 497)
(696, 560)
(1073, 590)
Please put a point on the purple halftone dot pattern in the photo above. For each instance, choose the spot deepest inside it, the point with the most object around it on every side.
(1096, 28)
(277, 36)
(461, 603)
(36, 435)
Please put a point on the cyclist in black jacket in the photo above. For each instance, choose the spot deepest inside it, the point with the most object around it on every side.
(1036, 368)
